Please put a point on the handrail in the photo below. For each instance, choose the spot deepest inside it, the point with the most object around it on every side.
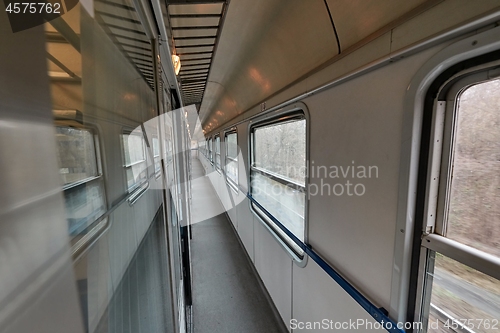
(379, 314)
(444, 316)
(279, 178)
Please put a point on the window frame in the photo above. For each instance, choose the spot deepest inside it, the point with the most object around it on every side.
(233, 184)
(96, 227)
(217, 141)
(439, 174)
(210, 150)
(98, 161)
(201, 147)
(296, 111)
(138, 189)
(156, 171)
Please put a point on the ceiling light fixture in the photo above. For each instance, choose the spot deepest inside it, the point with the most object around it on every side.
(176, 61)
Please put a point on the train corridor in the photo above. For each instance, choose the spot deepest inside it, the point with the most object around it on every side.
(227, 295)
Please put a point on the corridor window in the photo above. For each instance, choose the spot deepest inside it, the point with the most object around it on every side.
(81, 176)
(156, 156)
(278, 174)
(462, 286)
(201, 147)
(232, 158)
(135, 164)
(217, 153)
(210, 151)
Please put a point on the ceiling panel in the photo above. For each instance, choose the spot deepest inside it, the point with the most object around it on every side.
(258, 57)
(195, 31)
(207, 8)
(195, 66)
(184, 42)
(117, 9)
(193, 50)
(120, 19)
(66, 55)
(127, 32)
(194, 21)
(193, 58)
(357, 19)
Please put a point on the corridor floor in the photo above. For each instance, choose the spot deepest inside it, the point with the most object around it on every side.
(226, 293)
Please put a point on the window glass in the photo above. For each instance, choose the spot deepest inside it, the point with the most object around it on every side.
(462, 296)
(217, 152)
(76, 154)
(474, 202)
(232, 158)
(283, 202)
(281, 149)
(278, 173)
(84, 204)
(458, 296)
(156, 154)
(210, 150)
(135, 159)
(83, 189)
(232, 145)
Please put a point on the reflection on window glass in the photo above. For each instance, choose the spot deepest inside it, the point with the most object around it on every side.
(281, 149)
(217, 152)
(156, 154)
(232, 145)
(135, 159)
(278, 173)
(75, 154)
(474, 203)
(210, 150)
(232, 158)
(119, 16)
(84, 204)
(462, 296)
(283, 202)
(83, 188)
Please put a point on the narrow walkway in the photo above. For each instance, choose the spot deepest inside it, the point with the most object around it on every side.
(226, 293)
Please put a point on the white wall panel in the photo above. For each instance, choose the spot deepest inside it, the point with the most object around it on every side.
(140, 215)
(357, 20)
(235, 199)
(122, 241)
(274, 266)
(100, 288)
(316, 297)
(359, 124)
(246, 227)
